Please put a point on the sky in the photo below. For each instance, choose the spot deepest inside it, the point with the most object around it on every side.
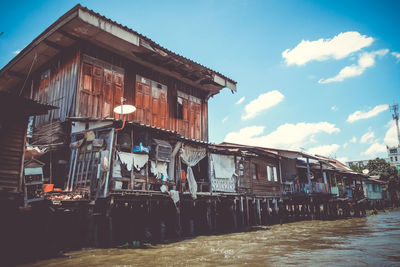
(316, 76)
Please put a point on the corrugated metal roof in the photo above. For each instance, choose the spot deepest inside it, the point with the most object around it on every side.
(13, 104)
(153, 43)
(145, 42)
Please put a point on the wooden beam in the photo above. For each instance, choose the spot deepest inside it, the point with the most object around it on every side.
(68, 35)
(16, 74)
(54, 45)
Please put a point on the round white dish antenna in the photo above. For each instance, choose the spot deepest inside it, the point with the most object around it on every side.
(124, 109)
(365, 171)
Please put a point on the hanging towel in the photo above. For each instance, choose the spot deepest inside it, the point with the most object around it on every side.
(132, 159)
(159, 169)
(139, 160)
(126, 158)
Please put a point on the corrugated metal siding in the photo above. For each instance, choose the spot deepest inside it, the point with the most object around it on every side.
(61, 90)
(12, 142)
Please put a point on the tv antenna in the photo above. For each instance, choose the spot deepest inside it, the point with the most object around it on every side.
(395, 109)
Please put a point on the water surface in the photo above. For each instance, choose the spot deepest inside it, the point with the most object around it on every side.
(373, 241)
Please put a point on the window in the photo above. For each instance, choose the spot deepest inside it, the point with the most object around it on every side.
(254, 170)
(395, 158)
(391, 159)
(271, 174)
(275, 174)
(179, 108)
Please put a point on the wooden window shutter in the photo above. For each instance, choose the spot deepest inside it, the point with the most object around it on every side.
(87, 77)
(97, 79)
(107, 93)
(163, 110)
(185, 109)
(197, 122)
(155, 110)
(139, 95)
(146, 99)
(118, 88)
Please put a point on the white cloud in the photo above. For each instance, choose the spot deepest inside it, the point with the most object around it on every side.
(396, 55)
(375, 149)
(225, 119)
(262, 102)
(340, 46)
(16, 52)
(324, 150)
(286, 136)
(345, 145)
(353, 140)
(240, 100)
(343, 159)
(365, 60)
(334, 108)
(391, 135)
(360, 115)
(367, 137)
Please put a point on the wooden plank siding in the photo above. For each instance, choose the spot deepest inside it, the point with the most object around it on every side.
(262, 186)
(254, 180)
(154, 95)
(12, 143)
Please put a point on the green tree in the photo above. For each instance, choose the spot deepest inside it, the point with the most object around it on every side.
(387, 173)
(382, 168)
(357, 168)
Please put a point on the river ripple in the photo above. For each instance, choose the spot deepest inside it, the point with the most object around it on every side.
(370, 241)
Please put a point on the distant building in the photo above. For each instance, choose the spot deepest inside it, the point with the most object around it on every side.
(394, 156)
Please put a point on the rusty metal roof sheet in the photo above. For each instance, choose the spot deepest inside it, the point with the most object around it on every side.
(146, 49)
(12, 104)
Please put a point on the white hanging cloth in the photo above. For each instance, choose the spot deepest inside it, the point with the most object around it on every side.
(191, 156)
(126, 158)
(224, 165)
(159, 168)
(174, 195)
(132, 159)
(139, 160)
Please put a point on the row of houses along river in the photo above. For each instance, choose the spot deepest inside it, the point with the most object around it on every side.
(105, 143)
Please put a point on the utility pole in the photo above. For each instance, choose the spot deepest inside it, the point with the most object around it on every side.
(395, 115)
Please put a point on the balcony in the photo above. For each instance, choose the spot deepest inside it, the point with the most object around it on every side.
(294, 188)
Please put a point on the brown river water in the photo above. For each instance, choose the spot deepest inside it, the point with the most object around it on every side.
(369, 241)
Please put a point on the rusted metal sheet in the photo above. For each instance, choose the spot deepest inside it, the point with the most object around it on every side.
(56, 85)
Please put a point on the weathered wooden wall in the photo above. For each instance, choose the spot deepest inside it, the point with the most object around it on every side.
(288, 167)
(244, 176)
(12, 144)
(261, 185)
(145, 88)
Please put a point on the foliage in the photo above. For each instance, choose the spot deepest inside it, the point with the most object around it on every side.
(386, 172)
(382, 168)
(357, 168)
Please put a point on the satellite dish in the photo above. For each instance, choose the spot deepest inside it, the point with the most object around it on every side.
(365, 171)
(124, 109)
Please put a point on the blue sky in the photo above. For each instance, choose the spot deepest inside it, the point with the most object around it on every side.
(327, 94)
